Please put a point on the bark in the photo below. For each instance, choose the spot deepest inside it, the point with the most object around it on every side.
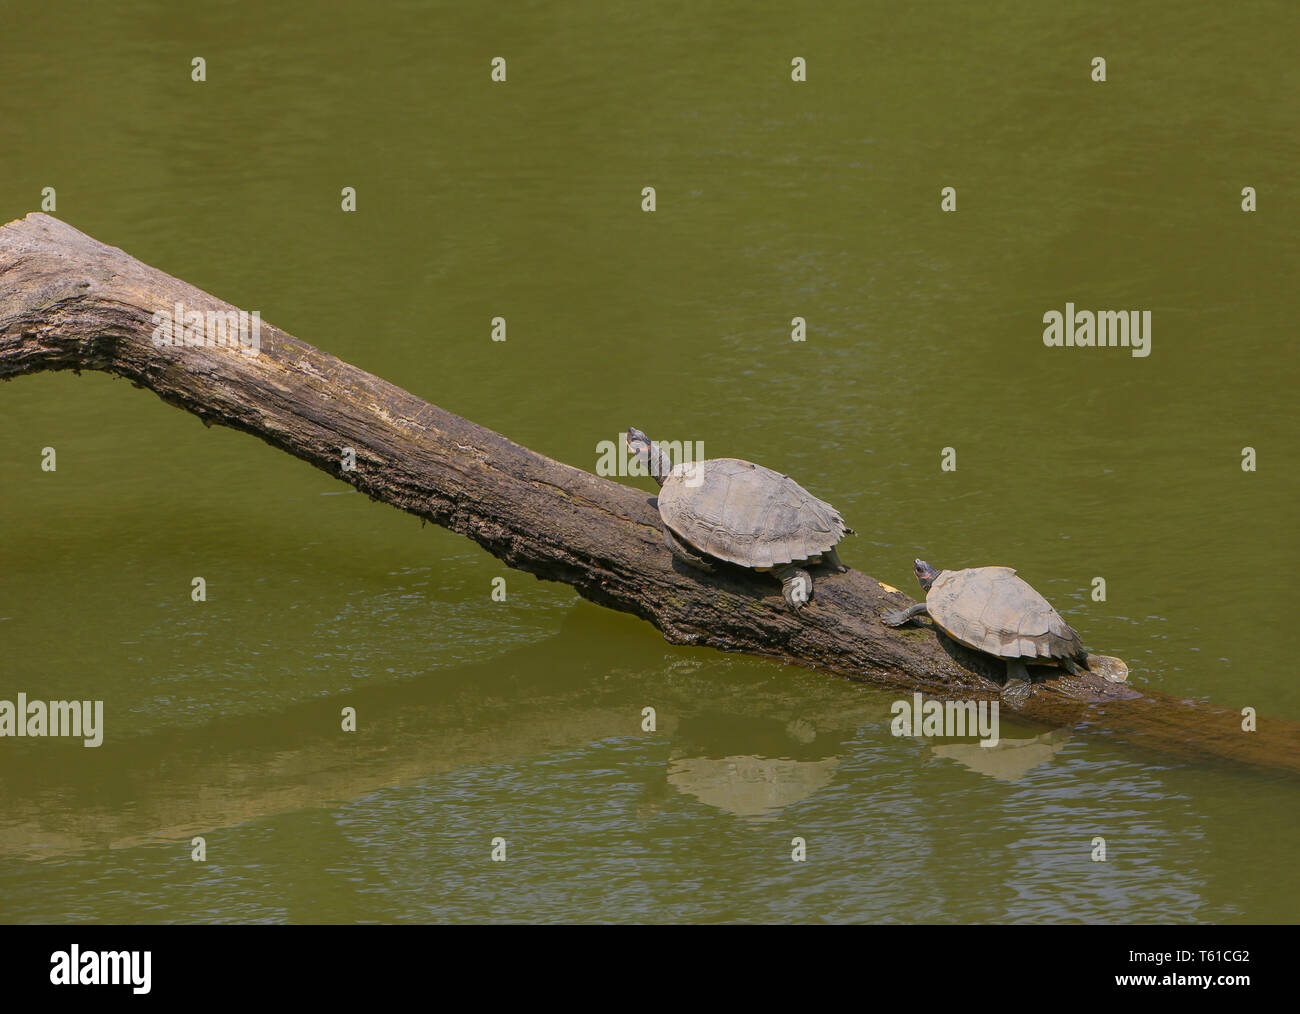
(68, 302)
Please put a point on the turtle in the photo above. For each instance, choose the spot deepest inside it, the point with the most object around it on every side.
(737, 512)
(995, 612)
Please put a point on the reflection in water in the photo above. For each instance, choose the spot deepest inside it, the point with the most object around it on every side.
(749, 786)
(543, 745)
(567, 692)
(177, 783)
(1010, 760)
(754, 765)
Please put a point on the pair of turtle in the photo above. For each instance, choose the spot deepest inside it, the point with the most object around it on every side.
(733, 511)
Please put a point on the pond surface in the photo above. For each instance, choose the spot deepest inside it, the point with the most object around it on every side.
(521, 720)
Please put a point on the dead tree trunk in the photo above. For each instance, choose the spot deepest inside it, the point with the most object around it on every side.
(68, 302)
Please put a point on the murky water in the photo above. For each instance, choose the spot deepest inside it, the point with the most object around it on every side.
(521, 720)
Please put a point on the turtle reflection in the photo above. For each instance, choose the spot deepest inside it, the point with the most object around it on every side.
(751, 767)
(1010, 760)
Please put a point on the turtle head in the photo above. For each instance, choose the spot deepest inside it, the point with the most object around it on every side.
(651, 456)
(638, 441)
(925, 573)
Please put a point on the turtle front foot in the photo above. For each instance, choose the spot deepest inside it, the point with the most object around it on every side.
(797, 588)
(897, 618)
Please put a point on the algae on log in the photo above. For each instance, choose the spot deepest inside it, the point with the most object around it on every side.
(69, 302)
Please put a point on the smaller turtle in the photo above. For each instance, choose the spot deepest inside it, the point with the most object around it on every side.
(730, 510)
(992, 611)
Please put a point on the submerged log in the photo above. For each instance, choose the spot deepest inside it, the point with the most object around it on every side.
(69, 302)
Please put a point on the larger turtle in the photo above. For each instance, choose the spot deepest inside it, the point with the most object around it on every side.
(993, 611)
(730, 510)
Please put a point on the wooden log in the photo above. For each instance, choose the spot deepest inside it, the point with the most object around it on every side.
(69, 302)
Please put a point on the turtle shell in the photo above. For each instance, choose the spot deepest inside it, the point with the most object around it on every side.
(991, 610)
(746, 514)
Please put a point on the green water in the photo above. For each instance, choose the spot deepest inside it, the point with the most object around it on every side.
(522, 720)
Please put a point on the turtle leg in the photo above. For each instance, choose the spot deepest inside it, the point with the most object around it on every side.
(796, 586)
(833, 558)
(685, 553)
(901, 616)
(1073, 667)
(1018, 687)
